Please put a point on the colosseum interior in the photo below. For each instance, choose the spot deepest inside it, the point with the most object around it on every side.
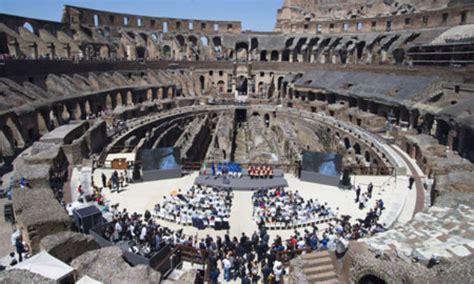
(386, 85)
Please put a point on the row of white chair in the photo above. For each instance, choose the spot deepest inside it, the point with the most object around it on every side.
(297, 223)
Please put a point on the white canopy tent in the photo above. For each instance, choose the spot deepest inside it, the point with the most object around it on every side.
(46, 265)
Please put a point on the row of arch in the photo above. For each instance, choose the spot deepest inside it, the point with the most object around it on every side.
(18, 132)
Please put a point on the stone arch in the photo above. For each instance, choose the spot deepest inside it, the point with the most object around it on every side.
(28, 26)
(87, 107)
(166, 51)
(42, 124)
(160, 93)
(357, 149)
(202, 82)
(371, 279)
(360, 49)
(260, 87)
(367, 156)
(280, 80)
(204, 40)
(263, 55)
(274, 56)
(54, 121)
(65, 115)
(221, 86)
(266, 120)
(104, 51)
(285, 56)
(217, 41)
(141, 52)
(108, 102)
(180, 39)
(242, 85)
(193, 40)
(118, 100)
(170, 92)
(347, 142)
(77, 111)
(149, 95)
(6, 147)
(241, 51)
(129, 98)
(15, 133)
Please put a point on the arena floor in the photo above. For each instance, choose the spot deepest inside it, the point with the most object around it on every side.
(138, 197)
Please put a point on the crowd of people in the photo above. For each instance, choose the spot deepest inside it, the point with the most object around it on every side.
(284, 206)
(253, 259)
(116, 180)
(260, 171)
(200, 207)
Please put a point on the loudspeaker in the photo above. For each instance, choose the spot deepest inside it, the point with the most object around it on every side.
(346, 179)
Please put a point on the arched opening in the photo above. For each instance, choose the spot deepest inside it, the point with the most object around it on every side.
(54, 122)
(77, 112)
(14, 134)
(285, 55)
(221, 86)
(367, 156)
(66, 116)
(149, 95)
(371, 279)
(96, 20)
(170, 92)
(104, 51)
(202, 81)
(217, 41)
(280, 80)
(42, 125)
(241, 50)
(263, 55)
(165, 27)
(141, 51)
(274, 55)
(118, 100)
(260, 87)
(180, 40)
(204, 41)
(266, 120)
(360, 49)
(167, 51)
(129, 98)
(160, 93)
(108, 103)
(29, 27)
(347, 143)
(242, 85)
(399, 55)
(357, 148)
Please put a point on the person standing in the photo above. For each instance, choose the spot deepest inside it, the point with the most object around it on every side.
(370, 187)
(104, 181)
(227, 266)
(357, 194)
(214, 275)
(20, 248)
(411, 181)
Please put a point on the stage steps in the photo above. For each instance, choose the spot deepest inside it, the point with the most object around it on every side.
(318, 267)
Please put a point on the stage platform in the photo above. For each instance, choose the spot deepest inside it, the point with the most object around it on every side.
(242, 183)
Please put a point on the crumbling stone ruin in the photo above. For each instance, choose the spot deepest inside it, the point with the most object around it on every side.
(347, 76)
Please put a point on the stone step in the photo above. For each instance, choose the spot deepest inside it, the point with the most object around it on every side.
(317, 261)
(318, 269)
(317, 254)
(331, 281)
(325, 276)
